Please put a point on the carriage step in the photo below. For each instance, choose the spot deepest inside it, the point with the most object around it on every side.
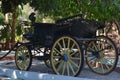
(45, 57)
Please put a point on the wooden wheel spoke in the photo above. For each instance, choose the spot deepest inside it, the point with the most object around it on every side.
(75, 58)
(24, 62)
(107, 67)
(59, 45)
(94, 58)
(76, 65)
(20, 49)
(68, 43)
(91, 49)
(63, 43)
(71, 68)
(58, 57)
(68, 70)
(60, 66)
(22, 65)
(73, 46)
(25, 54)
(57, 62)
(18, 62)
(64, 65)
(74, 52)
(57, 51)
(96, 49)
(102, 66)
(99, 46)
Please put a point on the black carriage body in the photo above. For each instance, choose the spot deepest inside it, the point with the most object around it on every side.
(84, 29)
(43, 34)
(46, 33)
(80, 28)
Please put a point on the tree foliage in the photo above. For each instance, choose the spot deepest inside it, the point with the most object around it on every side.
(93, 9)
(12, 6)
(101, 10)
(2, 18)
(104, 10)
(55, 8)
(45, 7)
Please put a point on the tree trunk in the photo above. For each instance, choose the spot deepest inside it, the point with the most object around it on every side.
(14, 17)
(7, 40)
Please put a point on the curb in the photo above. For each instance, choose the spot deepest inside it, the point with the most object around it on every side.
(27, 75)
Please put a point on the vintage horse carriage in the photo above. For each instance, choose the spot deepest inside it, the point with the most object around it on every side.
(66, 44)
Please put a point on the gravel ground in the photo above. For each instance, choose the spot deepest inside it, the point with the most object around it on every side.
(39, 66)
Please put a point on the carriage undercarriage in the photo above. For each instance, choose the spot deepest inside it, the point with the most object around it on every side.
(65, 49)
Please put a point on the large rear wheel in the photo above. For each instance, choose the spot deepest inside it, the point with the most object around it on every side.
(66, 56)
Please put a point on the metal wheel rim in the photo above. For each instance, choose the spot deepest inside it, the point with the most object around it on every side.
(70, 66)
(106, 62)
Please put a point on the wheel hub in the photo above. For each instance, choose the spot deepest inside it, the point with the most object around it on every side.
(21, 57)
(98, 55)
(65, 57)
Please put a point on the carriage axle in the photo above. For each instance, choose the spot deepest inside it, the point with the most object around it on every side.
(45, 57)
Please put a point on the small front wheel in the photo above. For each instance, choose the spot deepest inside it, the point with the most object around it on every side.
(23, 57)
(66, 56)
(102, 55)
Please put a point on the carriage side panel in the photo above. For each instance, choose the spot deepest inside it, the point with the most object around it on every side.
(44, 33)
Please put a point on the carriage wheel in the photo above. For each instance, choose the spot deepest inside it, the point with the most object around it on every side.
(102, 55)
(23, 58)
(66, 57)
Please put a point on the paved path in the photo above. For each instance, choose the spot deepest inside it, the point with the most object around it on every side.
(39, 66)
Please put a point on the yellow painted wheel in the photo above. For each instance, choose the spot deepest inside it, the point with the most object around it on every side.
(66, 56)
(23, 58)
(101, 55)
